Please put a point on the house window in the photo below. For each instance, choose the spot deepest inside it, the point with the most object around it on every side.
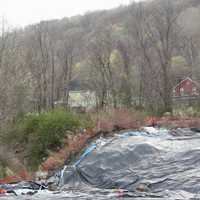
(194, 90)
(182, 91)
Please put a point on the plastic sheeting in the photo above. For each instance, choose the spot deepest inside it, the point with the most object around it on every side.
(155, 164)
(21, 189)
(152, 164)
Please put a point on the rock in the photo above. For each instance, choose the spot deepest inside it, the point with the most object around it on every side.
(41, 175)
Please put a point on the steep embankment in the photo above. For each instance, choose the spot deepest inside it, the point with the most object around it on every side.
(47, 141)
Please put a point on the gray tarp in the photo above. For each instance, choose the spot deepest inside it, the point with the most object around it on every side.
(160, 163)
(146, 165)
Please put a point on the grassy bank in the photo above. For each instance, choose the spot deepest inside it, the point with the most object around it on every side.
(36, 135)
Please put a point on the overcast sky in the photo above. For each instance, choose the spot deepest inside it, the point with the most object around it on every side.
(24, 12)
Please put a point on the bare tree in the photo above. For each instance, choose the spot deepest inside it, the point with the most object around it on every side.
(124, 47)
(67, 53)
(156, 31)
(100, 49)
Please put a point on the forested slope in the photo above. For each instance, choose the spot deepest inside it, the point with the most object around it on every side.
(133, 52)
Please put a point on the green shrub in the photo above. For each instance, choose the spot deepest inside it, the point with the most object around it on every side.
(39, 133)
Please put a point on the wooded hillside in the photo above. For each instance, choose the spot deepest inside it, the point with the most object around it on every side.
(136, 52)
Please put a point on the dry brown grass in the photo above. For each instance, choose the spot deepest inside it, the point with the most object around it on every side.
(119, 119)
(15, 166)
(178, 122)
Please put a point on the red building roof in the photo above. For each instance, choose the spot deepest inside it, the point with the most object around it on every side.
(186, 87)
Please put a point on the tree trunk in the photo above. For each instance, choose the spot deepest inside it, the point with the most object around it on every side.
(167, 96)
(52, 82)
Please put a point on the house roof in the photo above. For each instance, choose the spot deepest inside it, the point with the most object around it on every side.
(187, 78)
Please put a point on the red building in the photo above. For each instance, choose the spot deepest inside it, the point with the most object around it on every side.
(186, 88)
